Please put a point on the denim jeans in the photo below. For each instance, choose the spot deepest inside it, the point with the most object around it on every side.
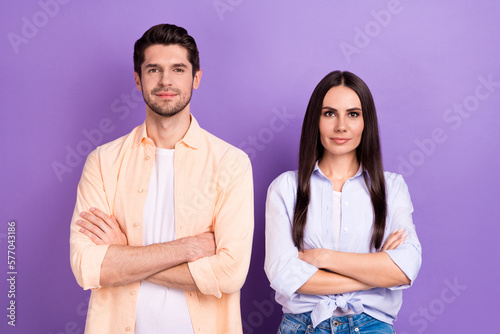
(352, 324)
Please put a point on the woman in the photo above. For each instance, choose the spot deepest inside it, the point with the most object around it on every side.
(340, 242)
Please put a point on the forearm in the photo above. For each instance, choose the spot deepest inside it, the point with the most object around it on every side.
(127, 264)
(374, 269)
(178, 277)
(327, 283)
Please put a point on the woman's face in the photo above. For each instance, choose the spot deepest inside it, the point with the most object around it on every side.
(341, 123)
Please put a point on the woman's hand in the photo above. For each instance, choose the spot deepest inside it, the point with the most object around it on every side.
(318, 257)
(313, 256)
(394, 240)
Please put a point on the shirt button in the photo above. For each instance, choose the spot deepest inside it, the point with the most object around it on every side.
(136, 224)
(141, 190)
(346, 229)
(356, 329)
(132, 292)
(127, 329)
(147, 157)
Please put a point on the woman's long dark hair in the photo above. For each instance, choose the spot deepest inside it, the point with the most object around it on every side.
(368, 154)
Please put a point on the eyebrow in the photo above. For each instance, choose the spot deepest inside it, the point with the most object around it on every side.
(333, 109)
(173, 65)
(180, 65)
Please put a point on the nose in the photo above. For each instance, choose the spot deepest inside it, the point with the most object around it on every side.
(340, 125)
(165, 79)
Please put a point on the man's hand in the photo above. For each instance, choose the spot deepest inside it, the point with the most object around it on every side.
(201, 245)
(105, 230)
(101, 228)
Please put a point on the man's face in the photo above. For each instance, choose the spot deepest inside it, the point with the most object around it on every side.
(167, 79)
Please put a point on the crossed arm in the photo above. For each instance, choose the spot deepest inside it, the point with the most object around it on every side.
(162, 263)
(347, 272)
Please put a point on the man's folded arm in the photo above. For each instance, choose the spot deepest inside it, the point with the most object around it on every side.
(178, 277)
(85, 256)
(123, 264)
(226, 271)
(98, 260)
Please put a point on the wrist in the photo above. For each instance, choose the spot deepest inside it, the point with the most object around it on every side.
(327, 259)
(189, 249)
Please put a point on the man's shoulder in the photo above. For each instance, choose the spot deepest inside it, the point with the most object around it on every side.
(220, 148)
(118, 145)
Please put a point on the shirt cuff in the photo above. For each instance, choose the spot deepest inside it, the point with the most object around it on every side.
(204, 277)
(408, 259)
(91, 263)
(293, 275)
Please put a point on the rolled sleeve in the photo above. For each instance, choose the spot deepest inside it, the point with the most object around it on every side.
(286, 272)
(408, 259)
(408, 256)
(85, 256)
(226, 271)
(292, 275)
(204, 277)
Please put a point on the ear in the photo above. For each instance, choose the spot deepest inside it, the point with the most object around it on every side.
(197, 79)
(137, 78)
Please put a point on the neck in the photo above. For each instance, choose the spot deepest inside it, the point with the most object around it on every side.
(167, 131)
(339, 168)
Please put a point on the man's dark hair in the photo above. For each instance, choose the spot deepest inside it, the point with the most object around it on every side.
(166, 34)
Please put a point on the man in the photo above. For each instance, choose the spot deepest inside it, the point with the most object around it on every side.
(163, 223)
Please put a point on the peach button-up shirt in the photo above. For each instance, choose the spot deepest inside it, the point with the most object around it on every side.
(213, 191)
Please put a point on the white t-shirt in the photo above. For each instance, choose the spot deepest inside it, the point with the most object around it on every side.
(337, 216)
(161, 309)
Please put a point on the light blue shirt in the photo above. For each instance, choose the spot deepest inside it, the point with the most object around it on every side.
(287, 272)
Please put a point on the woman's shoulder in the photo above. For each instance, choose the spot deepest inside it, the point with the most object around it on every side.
(392, 178)
(394, 183)
(285, 180)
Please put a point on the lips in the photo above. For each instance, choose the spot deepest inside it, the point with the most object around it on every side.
(340, 140)
(166, 95)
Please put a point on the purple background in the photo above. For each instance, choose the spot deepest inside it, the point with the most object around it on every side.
(73, 71)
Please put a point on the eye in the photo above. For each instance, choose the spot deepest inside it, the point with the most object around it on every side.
(329, 113)
(353, 114)
(153, 70)
(178, 70)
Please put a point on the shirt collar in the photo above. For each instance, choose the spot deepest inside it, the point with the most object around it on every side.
(317, 170)
(193, 134)
(190, 139)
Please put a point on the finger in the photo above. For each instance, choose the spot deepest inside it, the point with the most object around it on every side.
(209, 235)
(91, 236)
(402, 239)
(108, 220)
(398, 242)
(91, 227)
(390, 243)
(394, 236)
(97, 221)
